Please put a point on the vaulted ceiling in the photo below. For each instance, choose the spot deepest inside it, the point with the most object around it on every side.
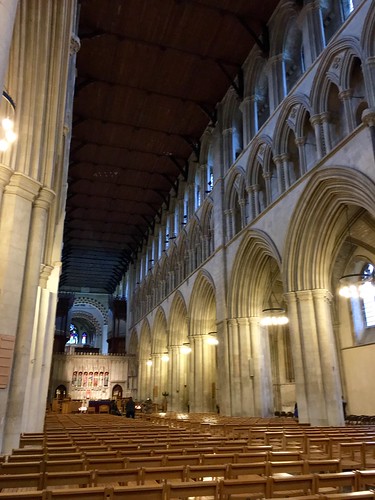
(149, 76)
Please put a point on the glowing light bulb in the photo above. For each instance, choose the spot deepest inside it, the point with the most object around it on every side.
(4, 145)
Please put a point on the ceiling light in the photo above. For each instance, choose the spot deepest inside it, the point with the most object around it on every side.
(185, 348)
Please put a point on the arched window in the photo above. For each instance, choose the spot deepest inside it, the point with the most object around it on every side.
(334, 13)
(368, 298)
(73, 337)
(84, 338)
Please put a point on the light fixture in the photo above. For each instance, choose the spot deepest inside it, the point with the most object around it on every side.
(353, 286)
(165, 357)
(149, 362)
(274, 315)
(212, 339)
(185, 348)
(7, 109)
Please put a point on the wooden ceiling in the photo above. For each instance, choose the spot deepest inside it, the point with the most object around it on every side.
(149, 76)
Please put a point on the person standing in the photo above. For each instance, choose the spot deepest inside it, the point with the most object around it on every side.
(130, 408)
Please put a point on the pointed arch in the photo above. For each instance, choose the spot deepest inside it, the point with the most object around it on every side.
(313, 237)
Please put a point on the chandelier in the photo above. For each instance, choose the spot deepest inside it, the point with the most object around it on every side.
(212, 339)
(7, 109)
(354, 286)
(274, 315)
(357, 285)
(185, 348)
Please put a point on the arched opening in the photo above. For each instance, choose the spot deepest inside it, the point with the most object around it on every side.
(117, 392)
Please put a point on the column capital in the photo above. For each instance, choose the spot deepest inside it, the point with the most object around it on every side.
(300, 141)
(345, 94)
(75, 44)
(227, 132)
(45, 273)
(45, 198)
(368, 117)
(5, 174)
(315, 120)
(322, 293)
(22, 185)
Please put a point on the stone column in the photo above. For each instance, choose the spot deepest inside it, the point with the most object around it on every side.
(8, 9)
(298, 357)
(267, 180)
(255, 191)
(14, 232)
(234, 367)
(312, 32)
(197, 363)
(242, 204)
(328, 356)
(248, 126)
(368, 118)
(279, 169)
(368, 67)
(325, 117)
(23, 359)
(228, 224)
(5, 175)
(300, 143)
(277, 83)
(262, 376)
(345, 97)
(285, 163)
(315, 358)
(246, 367)
(227, 148)
(250, 196)
(316, 122)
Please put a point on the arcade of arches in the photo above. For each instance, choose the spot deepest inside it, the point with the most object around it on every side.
(280, 205)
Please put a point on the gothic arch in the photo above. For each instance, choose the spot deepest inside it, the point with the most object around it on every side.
(333, 69)
(178, 330)
(83, 301)
(159, 332)
(313, 236)
(202, 312)
(249, 274)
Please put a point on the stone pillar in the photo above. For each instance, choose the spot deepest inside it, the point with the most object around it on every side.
(197, 403)
(325, 117)
(261, 369)
(228, 224)
(368, 118)
(255, 191)
(250, 196)
(156, 377)
(8, 9)
(328, 356)
(5, 175)
(277, 83)
(246, 367)
(368, 67)
(267, 180)
(248, 125)
(279, 170)
(298, 357)
(14, 232)
(242, 204)
(300, 143)
(227, 148)
(234, 367)
(23, 360)
(312, 32)
(316, 365)
(285, 163)
(316, 122)
(345, 97)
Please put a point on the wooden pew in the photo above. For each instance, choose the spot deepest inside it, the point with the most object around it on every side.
(34, 480)
(121, 476)
(142, 492)
(191, 489)
(255, 488)
(288, 485)
(177, 473)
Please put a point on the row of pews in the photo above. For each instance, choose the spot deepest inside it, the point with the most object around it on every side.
(189, 456)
